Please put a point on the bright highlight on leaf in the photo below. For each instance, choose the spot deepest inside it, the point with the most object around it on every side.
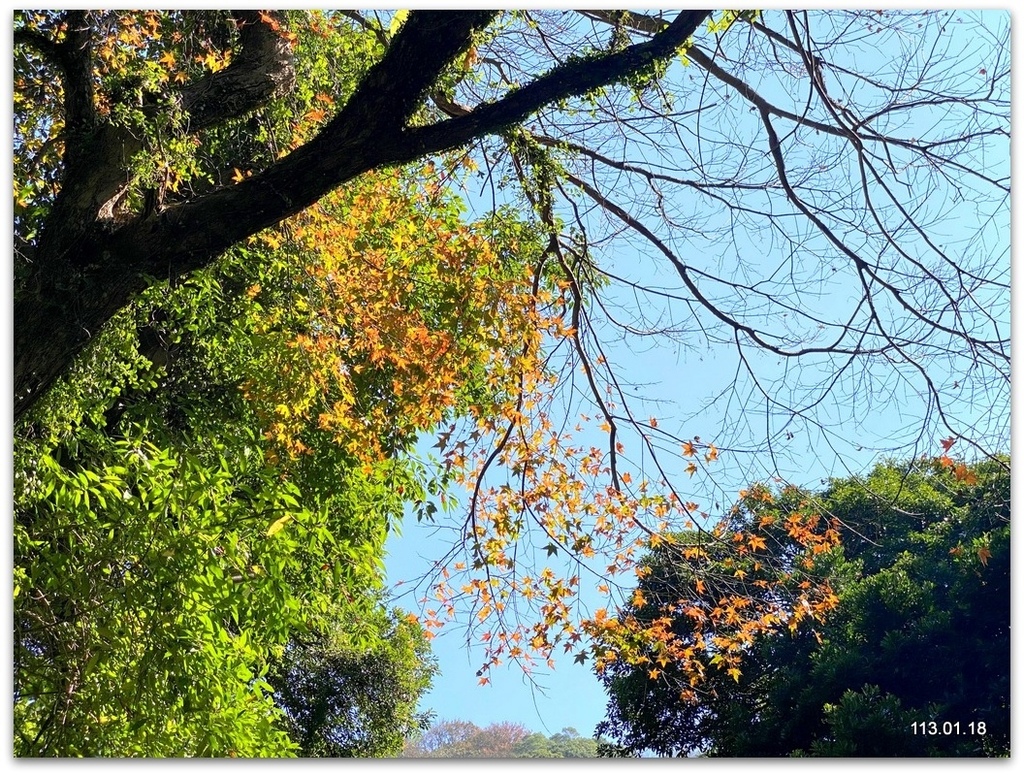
(397, 20)
(279, 524)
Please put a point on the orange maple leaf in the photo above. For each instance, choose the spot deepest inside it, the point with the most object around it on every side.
(964, 474)
(316, 114)
(270, 21)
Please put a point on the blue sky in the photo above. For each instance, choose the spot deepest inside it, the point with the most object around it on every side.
(571, 696)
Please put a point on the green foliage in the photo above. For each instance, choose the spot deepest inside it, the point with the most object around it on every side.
(141, 58)
(868, 723)
(354, 694)
(161, 560)
(504, 740)
(140, 572)
(567, 744)
(921, 634)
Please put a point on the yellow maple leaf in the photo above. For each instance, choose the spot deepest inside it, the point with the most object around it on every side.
(212, 62)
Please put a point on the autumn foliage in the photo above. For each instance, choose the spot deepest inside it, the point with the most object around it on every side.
(404, 311)
(918, 623)
(251, 406)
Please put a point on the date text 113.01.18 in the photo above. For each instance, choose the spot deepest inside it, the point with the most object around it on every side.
(948, 728)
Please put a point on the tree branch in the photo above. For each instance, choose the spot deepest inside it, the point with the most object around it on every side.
(263, 69)
(573, 78)
(74, 55)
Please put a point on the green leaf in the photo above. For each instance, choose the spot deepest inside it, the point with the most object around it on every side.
(397, 21)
